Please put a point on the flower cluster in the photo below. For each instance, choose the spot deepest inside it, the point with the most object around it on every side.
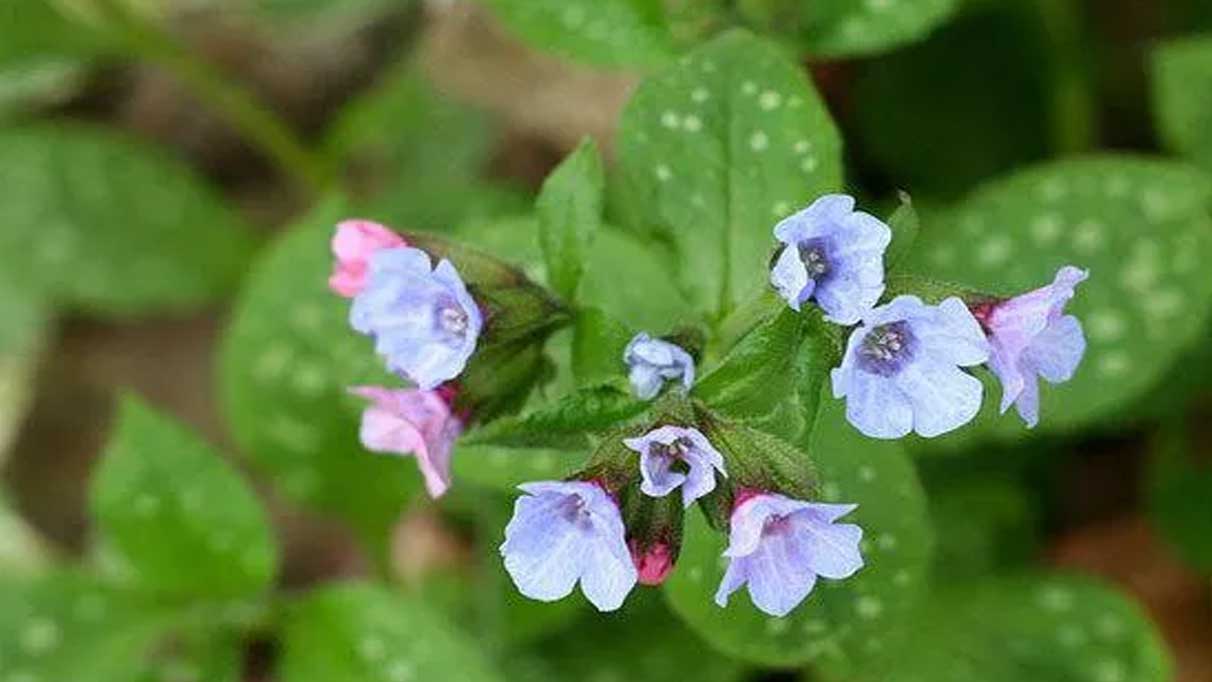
(906, 368)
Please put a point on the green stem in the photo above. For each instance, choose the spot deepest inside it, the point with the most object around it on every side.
(237, 105)
(1074, 126)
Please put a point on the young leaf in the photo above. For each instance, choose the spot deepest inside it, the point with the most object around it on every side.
(760, 372)
(841, 622)
(68, 627)
(286, 363)
(1046, 628)
(569, 209)
(717, 149)
(610, 33)
(1143, 229)
(1179, 491)
(904, 223)
(567, 421)
(1182, 96)
(178, 513)
(358, 632)
(97, 221)
(844, 28)
(598, 344)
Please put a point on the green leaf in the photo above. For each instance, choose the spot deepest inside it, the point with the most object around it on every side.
(841, 622)
(598, 344)
(569, 209)
(286, 363)
(178, 513)
(1179, 488)
(502, 468)
(643, 643)
(905, 225)
(363, 632)
(984, 525)
(1182, 96)
(566, 421)
(760, 372)
(717, 149)
(69, 627)
(610, 33)
(1045, 628)
(97, 221)
(845, 28)
(1143, 229)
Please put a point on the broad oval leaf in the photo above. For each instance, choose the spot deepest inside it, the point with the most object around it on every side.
(1045, 628)
(97, 221)
(847, 28)
(1142, 227)
(716, 149)
(286, 363)
(364, 632)
(69, 627)
(841, 622)
(600, 32)
(570, 211)
(180, 515)
(1182, 96)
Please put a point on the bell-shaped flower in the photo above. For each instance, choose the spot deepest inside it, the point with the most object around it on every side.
(833, 255)
(353, 244)
(778, 546)
(412, 421)
(651, 362)
(423, 320)
(568, 531)
(902, 369)
(1030, 336)
(672, 456)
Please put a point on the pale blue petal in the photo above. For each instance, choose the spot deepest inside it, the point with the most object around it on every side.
(1057, 351)
(806, 223)
(952, 335)
(1027, 402)
(943, 397)
(734, 579)
(876, 406)
(779, 576)
(609, 574)
(832, 550)
(646, 381)
(790, 278)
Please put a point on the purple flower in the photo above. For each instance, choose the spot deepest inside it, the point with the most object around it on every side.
(901, 371)
(414, 422)
(562, 532)
(833, 255)
(672, 456)
(653, 362)
(1030, 335)
(423, 321)
(778, 546)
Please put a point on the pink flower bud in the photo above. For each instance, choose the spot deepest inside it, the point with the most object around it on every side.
(653, 563)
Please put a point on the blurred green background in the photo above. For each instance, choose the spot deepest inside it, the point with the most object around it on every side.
(168, 169)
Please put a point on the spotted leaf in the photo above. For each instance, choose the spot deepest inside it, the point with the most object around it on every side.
(719, 147)
(601, 32)
(177, 513)
(369, 633)
(1046, 628)
(1182, 96)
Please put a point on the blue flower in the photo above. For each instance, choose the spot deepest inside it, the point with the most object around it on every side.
(778, 546)
(562, 532)
(423, 321)
(652, 362)
(1031, 335)
(668, 450)
(901, 371)
(833, 255)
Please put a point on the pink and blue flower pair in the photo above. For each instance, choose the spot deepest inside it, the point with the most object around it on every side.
(570, 531)
(425, 325)
(905, 365)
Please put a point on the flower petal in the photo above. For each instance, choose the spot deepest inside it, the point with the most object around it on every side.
(1057, 351)
(943, 396)
(874, 404)
(832, 549)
